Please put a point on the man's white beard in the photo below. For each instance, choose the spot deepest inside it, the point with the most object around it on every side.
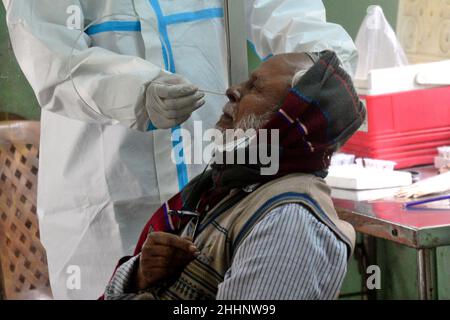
(243, 132)
(241, 145)
(253, 121)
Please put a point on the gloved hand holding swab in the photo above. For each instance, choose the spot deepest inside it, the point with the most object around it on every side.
(171, 100)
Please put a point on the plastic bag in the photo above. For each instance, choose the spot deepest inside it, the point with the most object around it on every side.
(377, 44)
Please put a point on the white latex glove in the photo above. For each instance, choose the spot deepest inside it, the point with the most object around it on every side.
(171, 99)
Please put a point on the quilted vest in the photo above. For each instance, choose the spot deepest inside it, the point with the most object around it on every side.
(225, 226)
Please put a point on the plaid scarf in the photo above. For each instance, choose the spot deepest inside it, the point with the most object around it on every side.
(317, 117)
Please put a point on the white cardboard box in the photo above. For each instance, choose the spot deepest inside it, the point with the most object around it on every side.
(357, 178)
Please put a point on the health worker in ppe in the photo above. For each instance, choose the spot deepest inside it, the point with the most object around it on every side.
(112, 98)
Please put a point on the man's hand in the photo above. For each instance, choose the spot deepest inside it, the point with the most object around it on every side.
(163, 256)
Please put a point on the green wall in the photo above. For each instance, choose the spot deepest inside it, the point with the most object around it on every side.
(350, 13)
(16, 95)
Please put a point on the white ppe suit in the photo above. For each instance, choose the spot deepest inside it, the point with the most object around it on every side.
(102, 172)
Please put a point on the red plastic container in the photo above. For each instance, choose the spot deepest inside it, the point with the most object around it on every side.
(405, 127)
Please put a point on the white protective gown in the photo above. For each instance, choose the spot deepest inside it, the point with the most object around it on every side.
(101, 174)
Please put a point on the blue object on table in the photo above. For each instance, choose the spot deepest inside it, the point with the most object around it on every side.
(424, 201)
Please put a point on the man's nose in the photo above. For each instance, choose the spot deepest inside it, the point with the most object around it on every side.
(234, 94)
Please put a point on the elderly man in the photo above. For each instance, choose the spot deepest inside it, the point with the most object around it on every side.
(235, 234)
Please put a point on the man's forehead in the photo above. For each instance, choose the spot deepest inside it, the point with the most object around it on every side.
(284, 63)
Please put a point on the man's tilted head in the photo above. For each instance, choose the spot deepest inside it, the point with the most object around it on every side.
(308, 98)
(252, 103)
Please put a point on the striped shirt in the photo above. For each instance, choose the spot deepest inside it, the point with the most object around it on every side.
(289, 255)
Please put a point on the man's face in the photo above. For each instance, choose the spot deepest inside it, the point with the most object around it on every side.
(253, 102)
